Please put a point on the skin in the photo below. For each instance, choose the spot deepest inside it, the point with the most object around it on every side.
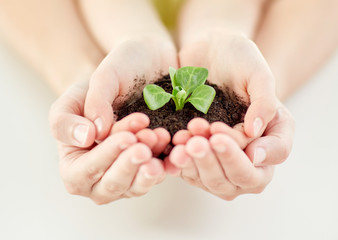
(96, 47)
(120, 166)
(233, 170)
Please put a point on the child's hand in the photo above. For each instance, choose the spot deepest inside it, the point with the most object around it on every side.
(211, 156)
(105, 172)
(235, 61)
(132, 62)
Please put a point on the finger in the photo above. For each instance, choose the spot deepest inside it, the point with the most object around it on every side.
(262, 108)
(163, 140)
(132, 123)
(81, 173)
(199, 127)
(181, 137)
(237, 133)
(148, 137)
(147, 176)
(66, 121)
(209, 169)
(170, 168)
(237, 166)
(119, 177)
(71, 129)
(180, 159)
(103, 90)
(275, 146)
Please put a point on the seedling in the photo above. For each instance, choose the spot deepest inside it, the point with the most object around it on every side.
(188, 86)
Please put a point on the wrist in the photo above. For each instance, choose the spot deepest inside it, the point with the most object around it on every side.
(230, 16)
(214, 35)
(63, 72)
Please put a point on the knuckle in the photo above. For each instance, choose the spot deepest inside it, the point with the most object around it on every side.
(229, 197)
(73, 189)
(258, 189)
(93, 173)
(126, 171)
(215, 185)
(242, 179)
(137, 193)
(194, 182)
(114, 188)
(190, 180)
(54, 126)
(100, 201)
(285, 149)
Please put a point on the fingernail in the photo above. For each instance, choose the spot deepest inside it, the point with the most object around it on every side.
(259, 156)
(136, 160)
(135, 125)
(80, 133)
(220, 148)
(201, 154)
(148, 176)
(99, 124)
(258, 124)
(123, 146)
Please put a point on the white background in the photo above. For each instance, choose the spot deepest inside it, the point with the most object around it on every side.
(300, 202)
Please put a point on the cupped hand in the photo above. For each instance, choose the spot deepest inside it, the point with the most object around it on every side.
(122, 165)
(124, 72)
(224, 161)
(235, 62)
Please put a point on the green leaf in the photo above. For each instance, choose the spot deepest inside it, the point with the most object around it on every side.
(172, 72)
(155, 96)
(189, 78)
(202, 98)
(176, 90)
(179, 99)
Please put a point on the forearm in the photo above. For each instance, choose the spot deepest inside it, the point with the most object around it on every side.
(296, 37)
(112, 22)
(51, 37)
(199, 18)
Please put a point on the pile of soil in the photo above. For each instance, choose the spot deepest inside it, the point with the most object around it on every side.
(226, 107)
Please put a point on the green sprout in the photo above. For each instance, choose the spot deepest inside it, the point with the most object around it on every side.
(188, 86)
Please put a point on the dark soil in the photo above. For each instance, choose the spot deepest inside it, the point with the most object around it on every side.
(226, 107)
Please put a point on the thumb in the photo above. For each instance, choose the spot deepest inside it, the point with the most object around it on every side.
(103, 89)
(72, 129)
(263, 102)
(67, 124)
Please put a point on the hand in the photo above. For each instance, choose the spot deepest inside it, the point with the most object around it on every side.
(132, 62)
(120, 166)
(234, 61)
(211, 156)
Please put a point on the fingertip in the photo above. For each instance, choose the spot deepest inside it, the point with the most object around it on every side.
(163, 139)
(259, 114)
(141, 153)
(199, 127)
(181, 137)
(138, 121)
(170, 168)
(178, 156)
(162, 134)
(219, 127)
(73, 130)
(197, 147)
(84, 135)
(148, 137)
(221, 142)
(103, 89)
(124, 139)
